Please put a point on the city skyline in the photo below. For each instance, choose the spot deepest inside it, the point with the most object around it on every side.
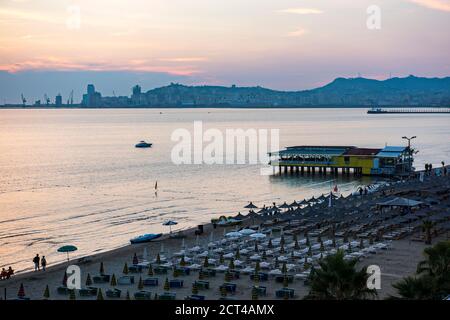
(284, 45)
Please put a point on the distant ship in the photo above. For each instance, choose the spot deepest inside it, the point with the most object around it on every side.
(143, 144)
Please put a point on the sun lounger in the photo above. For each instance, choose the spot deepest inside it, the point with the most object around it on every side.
(261, 276)
(143, 295)
(282, 293)
(113, 293)
(184, 271)
(209, 273)
(167, 296)
(135, 269)
(125, 280)
(202, 284)
(280, 278)
(261, 291)
(176, 283)
(103, 278)
(160, 270)
(195, 297)
(63, 290)
(229, 287)
(151, 282)
(88, 292)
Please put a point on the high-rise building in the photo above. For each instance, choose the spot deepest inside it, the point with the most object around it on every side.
(92, 98)
(58, 100)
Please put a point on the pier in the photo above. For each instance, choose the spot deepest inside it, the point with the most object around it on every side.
(409, 110)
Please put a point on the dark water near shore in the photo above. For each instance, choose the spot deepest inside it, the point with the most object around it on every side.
(74, 176)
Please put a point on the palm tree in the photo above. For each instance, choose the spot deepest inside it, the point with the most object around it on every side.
(338, 279)
(432, 280)
(437, 262)
(427, 227)
(413, 288)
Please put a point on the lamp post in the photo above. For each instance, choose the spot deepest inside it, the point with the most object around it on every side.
(409, 149)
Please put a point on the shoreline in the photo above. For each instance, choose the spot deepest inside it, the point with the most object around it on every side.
(397, 262)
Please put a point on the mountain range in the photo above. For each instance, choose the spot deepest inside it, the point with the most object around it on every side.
(342, 92)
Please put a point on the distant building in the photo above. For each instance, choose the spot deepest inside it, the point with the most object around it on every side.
(138, 98)
(58, 100)
(92, 98)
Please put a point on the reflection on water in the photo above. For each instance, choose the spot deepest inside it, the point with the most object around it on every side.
(74, 176)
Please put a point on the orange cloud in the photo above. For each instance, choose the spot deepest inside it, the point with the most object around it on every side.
(301, 11)
(442, 5)
(62, 64)
(297, 33)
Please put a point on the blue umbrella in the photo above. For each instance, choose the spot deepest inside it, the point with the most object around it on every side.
(67, 249)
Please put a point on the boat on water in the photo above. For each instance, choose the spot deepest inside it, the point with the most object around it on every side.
(145, 238)
(143, 144)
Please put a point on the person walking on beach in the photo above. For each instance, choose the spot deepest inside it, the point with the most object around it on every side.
(43, 263)
(36, 261)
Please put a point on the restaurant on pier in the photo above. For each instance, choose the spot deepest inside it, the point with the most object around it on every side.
(387, 161)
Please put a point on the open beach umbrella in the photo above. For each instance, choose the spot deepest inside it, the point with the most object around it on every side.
(284, 206)
(294, 204)
(258, 236)
(67, 249)
(247, 232)
(170, 223)
(233, 234)
(250, 206)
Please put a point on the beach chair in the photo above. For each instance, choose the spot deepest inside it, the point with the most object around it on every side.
(201, 284)
(182, 271)
(282, 293)
(261, 276)
(143, 295)
(153, 282)
(167, 296)
(125, 280)
(160, 270)
(88, 292)
(235, 274)
(103, 278)
(62, 290)
(176, 283)
(280, 278)
(135, 268)
(229, 287)
(261, 291)
(195, 297)
(113, 293)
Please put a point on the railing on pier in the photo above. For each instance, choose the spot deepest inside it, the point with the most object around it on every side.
(410, 110)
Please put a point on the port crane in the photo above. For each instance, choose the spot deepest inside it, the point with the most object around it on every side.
(24, 101)
(70, 100)
(47, 99)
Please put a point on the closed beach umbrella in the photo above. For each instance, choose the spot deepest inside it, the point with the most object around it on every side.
(67, 249)
(170, 223)
(250, 206)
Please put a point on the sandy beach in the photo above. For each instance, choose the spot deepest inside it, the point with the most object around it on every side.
(398, 258)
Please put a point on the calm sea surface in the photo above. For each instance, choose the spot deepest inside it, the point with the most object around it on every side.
(74, 176)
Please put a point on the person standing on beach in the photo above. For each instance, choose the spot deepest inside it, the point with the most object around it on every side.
(43, 263)
(36, 261)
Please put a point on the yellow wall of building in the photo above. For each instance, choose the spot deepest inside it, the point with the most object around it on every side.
(366, 163)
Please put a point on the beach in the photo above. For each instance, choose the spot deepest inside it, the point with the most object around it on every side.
(399, 251)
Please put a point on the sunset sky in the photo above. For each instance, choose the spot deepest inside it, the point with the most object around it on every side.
(282, 44)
